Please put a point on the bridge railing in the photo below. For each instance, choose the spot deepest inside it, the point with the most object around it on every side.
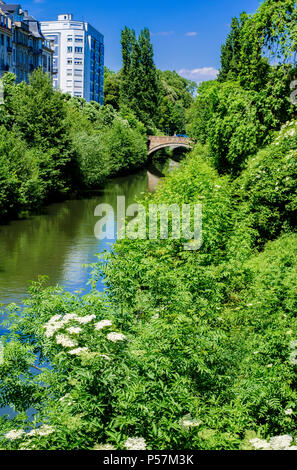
(154, 139)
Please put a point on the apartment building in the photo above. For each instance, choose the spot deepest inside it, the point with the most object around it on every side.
(78, 57)
(27, 49)
(5, 43)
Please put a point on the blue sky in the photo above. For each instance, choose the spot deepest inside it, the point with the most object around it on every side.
(186, 35)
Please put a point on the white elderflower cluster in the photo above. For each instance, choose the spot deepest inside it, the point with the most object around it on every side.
(115, 337)
(135, 443)
(290, 133)
(287, 130)
(58, 322)
(293, 355)
(287, 123)
(74, 330)
(43, 431)
(293, 358)
(70, 316)
(53, 325)
(66, 341)
(86, 319)
(275, 443)
(14, 434)
(64, 397)
(188, 422)
(78, 351)
(105, 357)
(102, 324)
(104, 447)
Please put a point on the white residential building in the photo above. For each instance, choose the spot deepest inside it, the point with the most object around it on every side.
(78, 57)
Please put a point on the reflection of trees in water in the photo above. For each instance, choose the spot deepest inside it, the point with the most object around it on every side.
(163, 162)
(130, 187)
(42, 243)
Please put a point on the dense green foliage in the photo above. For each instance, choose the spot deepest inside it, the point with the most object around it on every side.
(236, 114)
(176, 97)
(231, 51)
(111, 88)
(51, 144)
(139, 87)
(158, 98)
(187, 349)
(208, 358)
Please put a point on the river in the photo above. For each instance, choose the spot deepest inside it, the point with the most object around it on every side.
(59, 241)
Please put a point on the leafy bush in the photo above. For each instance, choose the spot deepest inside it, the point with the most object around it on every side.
(92, 158)
(228, 118)
(268, 186)
(27, 175)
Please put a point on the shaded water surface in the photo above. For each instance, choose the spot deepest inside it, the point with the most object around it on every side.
(58, 242)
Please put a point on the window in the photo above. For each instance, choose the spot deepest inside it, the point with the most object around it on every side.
(78, 73)
(79, 50)
(69, 49)
(78, 61)
(69, 39)
(69, 72)
(78, 39)
(69, 61)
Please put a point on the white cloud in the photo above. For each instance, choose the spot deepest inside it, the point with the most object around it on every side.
(199, 74)
(192, 33)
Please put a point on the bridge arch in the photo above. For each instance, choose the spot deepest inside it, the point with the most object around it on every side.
(156, 143)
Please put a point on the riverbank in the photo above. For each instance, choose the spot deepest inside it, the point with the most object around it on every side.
(58, 241)
(70, 145)
(183, 338)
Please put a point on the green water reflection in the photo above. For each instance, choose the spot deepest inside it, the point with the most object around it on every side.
(59, 241)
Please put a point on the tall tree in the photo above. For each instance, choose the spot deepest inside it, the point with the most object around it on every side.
(242, 54)
(148, 78)
(128, 41)
(140, 85)
(231, 50)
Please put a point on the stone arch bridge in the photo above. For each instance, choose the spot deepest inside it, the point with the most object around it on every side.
(156, 143)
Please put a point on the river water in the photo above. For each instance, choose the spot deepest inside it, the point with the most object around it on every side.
(60, 240)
